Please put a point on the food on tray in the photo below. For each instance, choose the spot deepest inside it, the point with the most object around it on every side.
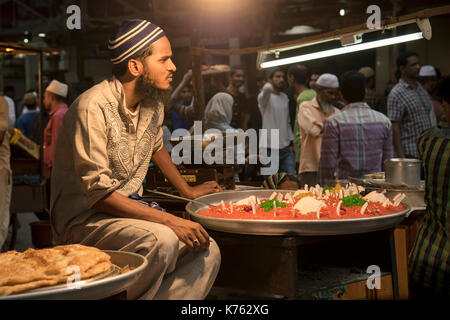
(31, 269)
(311, 203)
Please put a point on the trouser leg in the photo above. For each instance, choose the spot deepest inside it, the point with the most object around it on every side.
(173, 272)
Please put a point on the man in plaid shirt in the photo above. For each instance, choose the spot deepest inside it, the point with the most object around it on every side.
(357, 140)
(409, 107)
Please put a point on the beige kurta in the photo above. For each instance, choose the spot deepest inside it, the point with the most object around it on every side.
(311, 120)
(99, 151)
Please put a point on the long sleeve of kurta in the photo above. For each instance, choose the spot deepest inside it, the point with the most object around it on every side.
(329, 153)
(308, 122)
(91, 157)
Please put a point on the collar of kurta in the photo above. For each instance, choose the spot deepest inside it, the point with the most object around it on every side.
(59, 106)
(146, 111)
(315, 103)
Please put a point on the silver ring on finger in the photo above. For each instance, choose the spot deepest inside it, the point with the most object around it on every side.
(196, 243)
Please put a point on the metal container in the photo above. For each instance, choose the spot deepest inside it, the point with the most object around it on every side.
(401, 171)
(285, 227)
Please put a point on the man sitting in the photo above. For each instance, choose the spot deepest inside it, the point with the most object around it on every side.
(358, 139)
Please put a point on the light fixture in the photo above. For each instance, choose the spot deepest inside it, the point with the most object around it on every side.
(342, 50)
(342, 12)
(9, 49)
(41, 35)
(26, 40)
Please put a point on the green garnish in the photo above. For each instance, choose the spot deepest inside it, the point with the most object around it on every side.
(268, 205)
(327, 188)
(353, 200)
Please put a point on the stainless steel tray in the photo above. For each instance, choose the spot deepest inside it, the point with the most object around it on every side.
(285, 227)
(99, 287)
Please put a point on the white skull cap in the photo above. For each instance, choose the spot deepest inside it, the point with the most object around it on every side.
(328, 80)
(58, 88)
(427, 71)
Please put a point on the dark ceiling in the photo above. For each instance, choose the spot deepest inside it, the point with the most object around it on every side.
(258, 21)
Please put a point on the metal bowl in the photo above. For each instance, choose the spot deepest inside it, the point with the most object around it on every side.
(286, 227)
(99, 287)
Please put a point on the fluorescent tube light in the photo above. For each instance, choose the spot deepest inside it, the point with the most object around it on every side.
(342, 50)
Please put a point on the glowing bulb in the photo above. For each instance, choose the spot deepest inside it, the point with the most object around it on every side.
(342, 12)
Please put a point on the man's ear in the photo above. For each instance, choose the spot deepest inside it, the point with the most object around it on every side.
(135, 67)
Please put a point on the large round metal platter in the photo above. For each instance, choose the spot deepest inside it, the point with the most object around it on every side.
(285, 227)
(99, 287)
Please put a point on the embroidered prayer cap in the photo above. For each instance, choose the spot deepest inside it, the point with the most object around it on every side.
(328, 80)
(131, 37)
(58, 88)
(367, 72)
(427, 71)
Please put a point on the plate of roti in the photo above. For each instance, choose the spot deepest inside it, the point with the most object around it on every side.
(67, 272)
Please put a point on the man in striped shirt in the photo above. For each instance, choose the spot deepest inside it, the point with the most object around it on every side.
(409, 107)
(429, 260)
(357, 140)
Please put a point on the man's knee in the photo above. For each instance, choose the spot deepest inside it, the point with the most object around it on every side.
(214, 257)
(167, 244)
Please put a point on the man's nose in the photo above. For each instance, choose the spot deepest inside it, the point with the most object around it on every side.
(172, 66)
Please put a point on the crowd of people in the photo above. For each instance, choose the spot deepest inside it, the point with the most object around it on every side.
(329, 128)
(332, 128)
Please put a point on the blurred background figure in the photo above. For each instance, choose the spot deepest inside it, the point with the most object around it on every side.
(5, 171)
(181, 108)
(428, 78)
(8, 95)
(313, 79)
(29, 119)
(311, 118)
(373, 99)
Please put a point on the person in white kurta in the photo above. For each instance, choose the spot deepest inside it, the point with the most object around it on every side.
(108, 137)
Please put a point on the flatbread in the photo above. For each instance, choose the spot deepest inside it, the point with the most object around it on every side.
(31, 269)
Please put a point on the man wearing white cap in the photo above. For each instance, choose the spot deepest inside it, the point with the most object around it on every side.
(311, 118)
(428, 78)
(109, 135)
(54, 100)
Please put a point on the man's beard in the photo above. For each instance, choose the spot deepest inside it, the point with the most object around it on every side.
(279, 86)
(152, 95)
(326, 107)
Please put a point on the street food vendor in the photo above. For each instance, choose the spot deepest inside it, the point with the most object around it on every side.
(109, 135)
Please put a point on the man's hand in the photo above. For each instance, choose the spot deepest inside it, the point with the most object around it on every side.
(189, 232)
(187, 77)
(202, 189)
